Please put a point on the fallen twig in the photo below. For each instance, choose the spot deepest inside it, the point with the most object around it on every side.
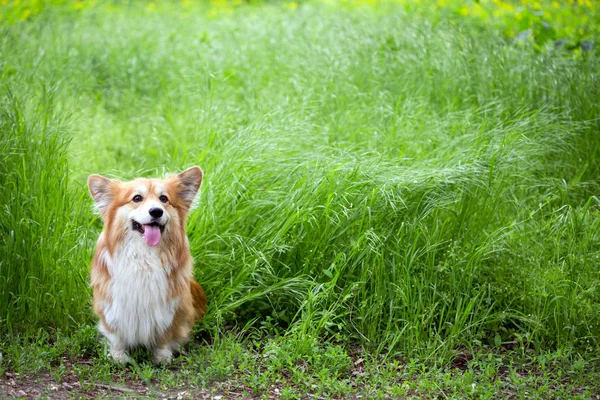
(120, 389)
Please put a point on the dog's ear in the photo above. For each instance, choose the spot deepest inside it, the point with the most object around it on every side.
(100, 189)
(189, 183)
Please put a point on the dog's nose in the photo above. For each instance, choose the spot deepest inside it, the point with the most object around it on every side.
(156, 212)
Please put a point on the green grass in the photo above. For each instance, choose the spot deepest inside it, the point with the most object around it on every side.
(415, 186)
(292, 367)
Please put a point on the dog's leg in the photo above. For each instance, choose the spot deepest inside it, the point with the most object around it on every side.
(118, 350)
(162, 354)
(181, 336)
(176, 343)
(175, 346)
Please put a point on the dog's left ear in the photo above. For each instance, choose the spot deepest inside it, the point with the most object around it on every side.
(189, 183)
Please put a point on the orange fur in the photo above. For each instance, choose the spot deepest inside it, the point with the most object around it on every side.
(199, 299)
(122, 254)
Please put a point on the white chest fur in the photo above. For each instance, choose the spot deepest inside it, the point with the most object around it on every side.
(140, 311)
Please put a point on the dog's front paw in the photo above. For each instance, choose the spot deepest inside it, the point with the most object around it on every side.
(121, 357)
(162, 355)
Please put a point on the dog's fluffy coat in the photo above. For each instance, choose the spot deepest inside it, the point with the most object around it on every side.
(141, 273)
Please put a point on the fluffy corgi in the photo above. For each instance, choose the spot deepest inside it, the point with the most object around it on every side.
(141, 274)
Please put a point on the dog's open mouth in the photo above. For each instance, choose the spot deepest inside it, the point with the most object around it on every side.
(151, 232)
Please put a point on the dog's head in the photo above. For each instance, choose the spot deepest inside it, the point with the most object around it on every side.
(146, 208)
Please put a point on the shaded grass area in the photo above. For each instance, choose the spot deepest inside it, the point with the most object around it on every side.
(412, 186)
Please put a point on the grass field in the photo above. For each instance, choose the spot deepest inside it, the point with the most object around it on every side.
(396, 203)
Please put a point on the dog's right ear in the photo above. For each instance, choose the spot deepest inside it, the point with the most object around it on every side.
(100, 190)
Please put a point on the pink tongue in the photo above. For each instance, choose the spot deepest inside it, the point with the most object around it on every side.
(151, 234)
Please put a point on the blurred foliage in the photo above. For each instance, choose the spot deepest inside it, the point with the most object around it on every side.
(545, 24)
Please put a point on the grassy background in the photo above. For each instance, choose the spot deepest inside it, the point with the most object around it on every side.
(411, 183)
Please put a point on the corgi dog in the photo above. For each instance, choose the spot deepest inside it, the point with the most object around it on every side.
(141, 274)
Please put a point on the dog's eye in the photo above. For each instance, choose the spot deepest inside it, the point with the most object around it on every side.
(137, 198)
(163, 198)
